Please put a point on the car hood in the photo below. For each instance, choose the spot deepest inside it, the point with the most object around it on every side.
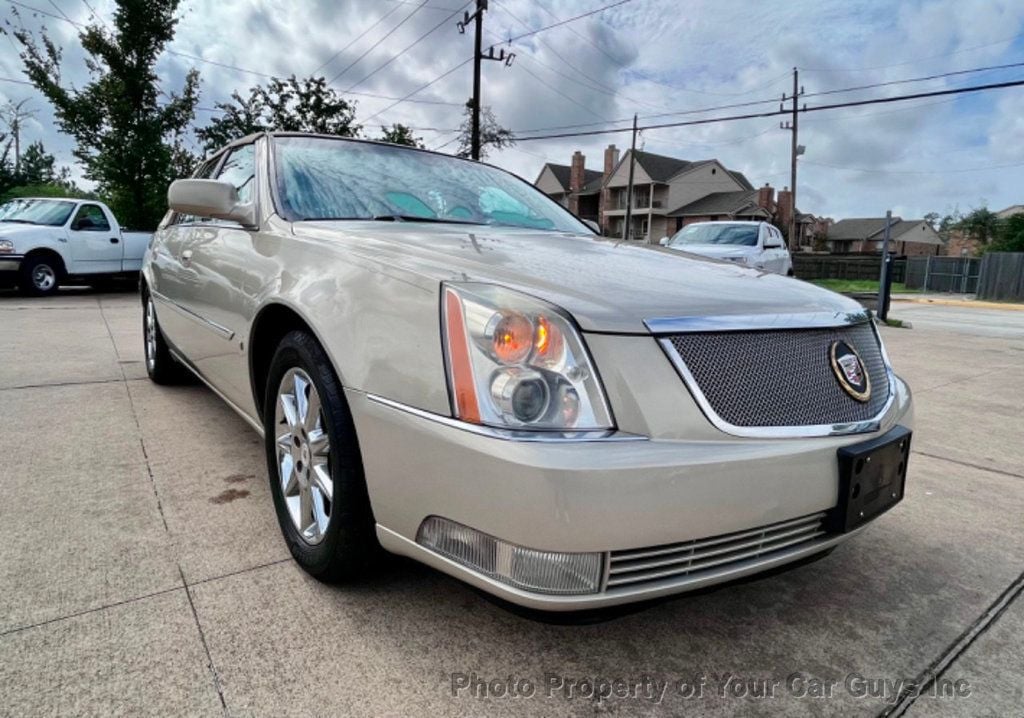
(720, 251)
(606, 284)
(23, 234)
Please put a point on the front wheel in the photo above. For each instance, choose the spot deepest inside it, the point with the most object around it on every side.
(314, 465)
(40, 276)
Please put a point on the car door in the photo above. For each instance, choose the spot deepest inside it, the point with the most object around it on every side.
(172, 280)
(94, 245)
(774, 252)
(222, 286)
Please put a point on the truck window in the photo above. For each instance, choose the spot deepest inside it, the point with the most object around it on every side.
(240, 170)
(90, 218)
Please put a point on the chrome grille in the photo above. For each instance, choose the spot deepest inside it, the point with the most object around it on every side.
(693, 558)
(780, 377)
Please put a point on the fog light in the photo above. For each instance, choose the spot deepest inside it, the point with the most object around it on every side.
(525, 568)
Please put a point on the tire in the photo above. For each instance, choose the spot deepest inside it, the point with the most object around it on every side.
(40, 276)
(161, 367)
(309, 482)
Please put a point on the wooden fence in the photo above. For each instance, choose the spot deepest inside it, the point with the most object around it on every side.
(827, 266)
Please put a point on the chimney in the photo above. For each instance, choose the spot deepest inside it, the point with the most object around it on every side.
(611, 159)
(766, 197)
(576, 180)
(784, 207)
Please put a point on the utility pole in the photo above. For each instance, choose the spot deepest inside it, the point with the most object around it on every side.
(478, 56)
(13, 116)
(629, 184)
(885, 280)
(795, 151)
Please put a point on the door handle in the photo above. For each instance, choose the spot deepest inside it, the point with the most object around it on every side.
(114, 240)
(186, 257)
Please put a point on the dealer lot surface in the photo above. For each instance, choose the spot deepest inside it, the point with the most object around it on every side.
(142, 570)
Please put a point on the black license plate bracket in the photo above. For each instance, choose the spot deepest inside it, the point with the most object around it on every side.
(872, 478)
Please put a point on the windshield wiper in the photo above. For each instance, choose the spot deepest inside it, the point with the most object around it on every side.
(18, 221)
(418, 218)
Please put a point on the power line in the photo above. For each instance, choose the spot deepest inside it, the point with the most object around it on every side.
(562, 94)
(819, 108)
(753, 103)
(410, 46)
(914, 172)
(421, 88)
(568, 20)
(911, 62)
(356, 39)
(376, 44)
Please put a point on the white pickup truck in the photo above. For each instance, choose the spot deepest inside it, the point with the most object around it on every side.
(46, 242)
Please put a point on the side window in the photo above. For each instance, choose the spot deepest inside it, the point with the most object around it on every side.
(90, 218)
(240, 170)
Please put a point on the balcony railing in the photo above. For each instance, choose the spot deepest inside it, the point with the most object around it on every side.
(639, 203)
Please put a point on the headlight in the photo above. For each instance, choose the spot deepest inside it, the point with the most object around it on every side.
(6, 246)
(517, 362)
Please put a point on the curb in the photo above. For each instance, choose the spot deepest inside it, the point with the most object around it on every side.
(973, 303)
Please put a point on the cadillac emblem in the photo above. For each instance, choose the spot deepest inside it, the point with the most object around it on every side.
(849, 371)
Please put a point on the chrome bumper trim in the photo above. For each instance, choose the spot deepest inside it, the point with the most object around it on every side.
(509, 434)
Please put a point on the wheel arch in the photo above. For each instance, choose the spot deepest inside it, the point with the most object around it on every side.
(272, 322)
(52, 254)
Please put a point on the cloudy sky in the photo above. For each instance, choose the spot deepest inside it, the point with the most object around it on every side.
(650, 57)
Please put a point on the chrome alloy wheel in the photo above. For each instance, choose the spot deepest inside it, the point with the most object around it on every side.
(43, 277)
(303, 456)
(150, 335)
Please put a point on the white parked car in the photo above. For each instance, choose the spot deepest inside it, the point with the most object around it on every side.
(46, 241)
(445, 363)
(752, 244)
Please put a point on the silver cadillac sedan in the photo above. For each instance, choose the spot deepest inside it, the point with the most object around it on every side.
(448, 365)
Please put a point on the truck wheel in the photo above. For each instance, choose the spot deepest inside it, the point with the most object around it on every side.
(160, 365)
(40, 276)
(314, 465)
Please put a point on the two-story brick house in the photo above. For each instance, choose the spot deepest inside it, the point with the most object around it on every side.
(668, 193)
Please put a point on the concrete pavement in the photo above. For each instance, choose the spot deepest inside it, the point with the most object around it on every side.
(142, 572)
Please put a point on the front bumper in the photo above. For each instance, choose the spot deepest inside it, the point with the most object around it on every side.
(10, 262)
(598, 496)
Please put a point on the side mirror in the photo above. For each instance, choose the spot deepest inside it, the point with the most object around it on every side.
(663, 241)
(210, 198)
(593, 225)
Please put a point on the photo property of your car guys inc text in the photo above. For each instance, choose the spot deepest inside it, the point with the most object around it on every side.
(512, 357)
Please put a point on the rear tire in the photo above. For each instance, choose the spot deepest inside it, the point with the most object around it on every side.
(40, 276)
(314, 464)
(161, 366)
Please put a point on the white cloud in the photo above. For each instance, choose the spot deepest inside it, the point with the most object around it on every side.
(648, 57)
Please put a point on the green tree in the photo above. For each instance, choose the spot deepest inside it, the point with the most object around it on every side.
(126, 126)
(980, 223)
(1009, 235)
(491, 133)
(399, 134)
(289, 104)
(39, 167)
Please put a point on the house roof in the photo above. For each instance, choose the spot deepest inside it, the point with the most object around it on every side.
(718, 203)
(563, 173)
(659, 167)
(741, 178)
(874, 228)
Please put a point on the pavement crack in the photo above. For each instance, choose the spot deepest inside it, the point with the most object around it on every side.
(968, 464)
(87, 611)
(206, 646)
(935, 670)
(58, 384)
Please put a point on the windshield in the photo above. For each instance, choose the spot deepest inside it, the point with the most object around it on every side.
(49, 212)
(733, 234)
(320, 178)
